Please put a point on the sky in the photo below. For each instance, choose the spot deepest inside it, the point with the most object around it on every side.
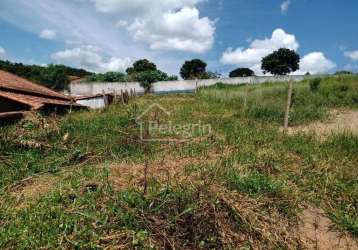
(109, 35)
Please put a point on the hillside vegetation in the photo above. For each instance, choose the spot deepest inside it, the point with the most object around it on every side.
(52, 76)
(78, 181)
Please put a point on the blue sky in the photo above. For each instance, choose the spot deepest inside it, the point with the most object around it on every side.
(108, 35)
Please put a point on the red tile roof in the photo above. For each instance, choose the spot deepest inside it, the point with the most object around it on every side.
(33, 95)
(10, 82)
(12, 115)
(34, 102)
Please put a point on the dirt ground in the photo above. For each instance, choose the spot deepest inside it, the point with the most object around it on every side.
(317, 231)
(341, 121)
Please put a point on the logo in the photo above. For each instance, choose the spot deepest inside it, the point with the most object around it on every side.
(156, 125)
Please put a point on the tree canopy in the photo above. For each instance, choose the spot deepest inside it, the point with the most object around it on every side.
(193, 69)
(281, 62)
(241, 72)
(107, 77)
(146, 73)
(52, 76)
(343, 72)
(141, 66)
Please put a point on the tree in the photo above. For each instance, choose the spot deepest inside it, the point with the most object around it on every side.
(147, 78)
(241, 72)
(54, 76)
(146, 73)
(343, 72)
(141, 66)
(193, 69)
(281, 62)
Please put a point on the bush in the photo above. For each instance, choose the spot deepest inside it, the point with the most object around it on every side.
(241, 72)
(315, 84)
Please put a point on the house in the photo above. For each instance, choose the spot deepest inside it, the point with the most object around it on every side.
(18, 95)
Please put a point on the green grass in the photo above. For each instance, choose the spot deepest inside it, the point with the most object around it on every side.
(254, 159)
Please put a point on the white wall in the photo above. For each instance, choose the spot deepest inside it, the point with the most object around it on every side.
(95, 88)
(93, 103)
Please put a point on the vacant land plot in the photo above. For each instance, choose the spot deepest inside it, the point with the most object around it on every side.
(87, 180)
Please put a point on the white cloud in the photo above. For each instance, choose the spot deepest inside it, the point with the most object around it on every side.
(180, 30)
(2, 53)
(315, 63)
(141, 7)
(121, 23)
(164, 24)
(252, 56)
(285, 6)
(47, 34)
(90, 58)
(353, 55)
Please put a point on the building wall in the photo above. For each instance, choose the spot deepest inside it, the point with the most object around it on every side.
(171, 86)
(93, 103)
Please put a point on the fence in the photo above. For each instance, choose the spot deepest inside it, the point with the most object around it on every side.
(95, 88)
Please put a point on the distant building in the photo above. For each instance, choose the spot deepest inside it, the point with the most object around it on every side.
(18, 95)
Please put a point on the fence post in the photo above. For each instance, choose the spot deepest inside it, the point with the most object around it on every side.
(288, 104)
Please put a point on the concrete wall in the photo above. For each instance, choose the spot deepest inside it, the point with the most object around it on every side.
(93, 103)
(95, 88)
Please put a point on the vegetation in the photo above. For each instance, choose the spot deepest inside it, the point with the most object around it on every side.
(141, 66)
(241, 72)
(77, 181)
(343, 72)
(52, 76)
(146, 73)
(142, 71)
(107, 77)
(281, 62)
(194, 69)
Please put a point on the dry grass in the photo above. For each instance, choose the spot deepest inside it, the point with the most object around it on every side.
(341, 121)
(317, 231)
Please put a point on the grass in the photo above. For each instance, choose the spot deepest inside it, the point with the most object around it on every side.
(243, 185)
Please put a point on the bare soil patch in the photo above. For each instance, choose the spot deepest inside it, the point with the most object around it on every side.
(32, 188)
(317, 231)
(166, 170)
(341, 121)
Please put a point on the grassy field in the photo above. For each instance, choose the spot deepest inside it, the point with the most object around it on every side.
(77, 181)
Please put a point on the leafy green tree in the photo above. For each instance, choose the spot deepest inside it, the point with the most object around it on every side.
(241, 72)
(55, 77)
(146, 73)
(343, 72)
(147, 78)
(141, 66)
(52, 76)
(194, 69)
(281, 62)
(107, 77)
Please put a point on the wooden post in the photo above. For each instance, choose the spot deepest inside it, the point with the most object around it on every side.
(105, 99)
(288, 104)
(196, 85)
(122, 97)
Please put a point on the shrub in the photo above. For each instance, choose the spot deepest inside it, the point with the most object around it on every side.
(315, 84)
(241, 72)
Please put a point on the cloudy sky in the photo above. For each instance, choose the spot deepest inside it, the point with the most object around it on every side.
(108, 35)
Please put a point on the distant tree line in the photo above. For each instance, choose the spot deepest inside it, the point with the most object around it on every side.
(280, 62)
(56, 77)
